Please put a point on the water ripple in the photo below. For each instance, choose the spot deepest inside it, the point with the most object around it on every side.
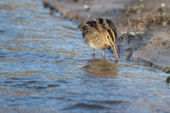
(46, 67)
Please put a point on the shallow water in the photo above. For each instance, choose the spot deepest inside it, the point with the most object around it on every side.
(45, 66)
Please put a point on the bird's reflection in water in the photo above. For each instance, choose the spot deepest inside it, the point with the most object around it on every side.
(101, 68)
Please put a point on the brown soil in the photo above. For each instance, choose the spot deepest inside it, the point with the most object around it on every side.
(143, 25)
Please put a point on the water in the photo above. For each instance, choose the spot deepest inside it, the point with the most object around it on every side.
(45, 67)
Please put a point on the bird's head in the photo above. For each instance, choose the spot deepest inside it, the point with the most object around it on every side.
(110, 39)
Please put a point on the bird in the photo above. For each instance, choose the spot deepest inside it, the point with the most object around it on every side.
(100, 33)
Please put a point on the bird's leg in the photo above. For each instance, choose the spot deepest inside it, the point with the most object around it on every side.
(103, 53)
(93, 52)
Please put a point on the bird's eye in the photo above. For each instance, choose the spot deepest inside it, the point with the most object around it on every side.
(107, 36)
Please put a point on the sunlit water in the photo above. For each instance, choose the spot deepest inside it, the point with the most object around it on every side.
(45, 67)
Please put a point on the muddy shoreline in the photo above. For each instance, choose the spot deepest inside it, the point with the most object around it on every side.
(143, 27)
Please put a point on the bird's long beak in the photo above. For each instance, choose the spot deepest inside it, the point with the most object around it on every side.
(114, 50)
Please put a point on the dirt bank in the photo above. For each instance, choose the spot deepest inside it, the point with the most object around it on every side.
(143, 26)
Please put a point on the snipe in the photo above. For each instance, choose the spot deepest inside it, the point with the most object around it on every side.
(100, 34)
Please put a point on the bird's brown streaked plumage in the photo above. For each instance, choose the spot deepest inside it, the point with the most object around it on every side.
(100, 34)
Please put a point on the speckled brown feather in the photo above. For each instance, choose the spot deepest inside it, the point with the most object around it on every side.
(100, 34)
(100, 25)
